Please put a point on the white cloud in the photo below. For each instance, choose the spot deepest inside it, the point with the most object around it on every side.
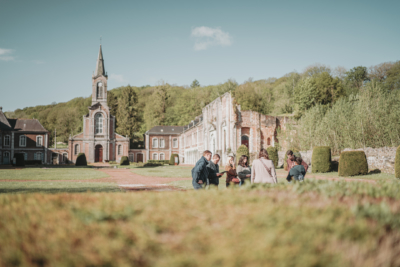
(5, 54)
(117, 77)
(206, 37)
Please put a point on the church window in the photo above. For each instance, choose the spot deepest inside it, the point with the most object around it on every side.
(22, 140)
(175, 142)
(162, 156)
(119, 149)
(98, 123)
(39, 140)
(155, 142)
(162, 143)
(99, 90)
(7, 140)
(269, 141)
(155, 156)
(76, 149)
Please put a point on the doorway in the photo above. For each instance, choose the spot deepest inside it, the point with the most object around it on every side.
(54, 158)
(6, 158)
(245, 140)
(98, 154)
(139, 157)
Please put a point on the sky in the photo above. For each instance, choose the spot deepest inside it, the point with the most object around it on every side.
(48, 49)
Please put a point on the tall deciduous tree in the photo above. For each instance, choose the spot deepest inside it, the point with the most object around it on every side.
(355, 79)
(127, 113)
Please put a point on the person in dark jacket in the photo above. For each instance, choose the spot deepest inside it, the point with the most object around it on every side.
(200, 171)
(297, 171)
(292, 158)
(213, 171)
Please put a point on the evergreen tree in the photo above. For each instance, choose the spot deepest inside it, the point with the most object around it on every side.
(127, 113)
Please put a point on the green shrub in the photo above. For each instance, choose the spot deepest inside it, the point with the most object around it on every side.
(273, 155)
(352, 163)
(33, 162)
(150, 164)
(397, 163)
(172, 159)
(19, 159)
(124, 160)
(321, 159)
(295, 152)
(158, 161)
(81, 160)
(242, 150)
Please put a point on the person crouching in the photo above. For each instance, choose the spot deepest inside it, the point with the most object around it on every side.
(298, 172)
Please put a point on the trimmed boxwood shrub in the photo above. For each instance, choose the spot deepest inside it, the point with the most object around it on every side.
(81, 160)
(295, 152)
(321, 159)
(172, 159)
(353, 163)
(19, 159)
(124, 160)
(397, 163)
(273, 155)
(158, 161)
(242, 150)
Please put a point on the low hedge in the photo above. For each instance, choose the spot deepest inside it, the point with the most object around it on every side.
(397, 163)
(172, 159)
(19, 159)
(33, 162)
(158, 161)
(149, 164)
(81, 160)
(295, 152)
(273, 155)
(353, 163)
(124, 161)
(321, 159)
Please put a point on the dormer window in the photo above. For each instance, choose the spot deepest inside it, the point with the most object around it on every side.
(99, 90)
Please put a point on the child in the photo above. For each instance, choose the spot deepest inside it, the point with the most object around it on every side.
(297, 171)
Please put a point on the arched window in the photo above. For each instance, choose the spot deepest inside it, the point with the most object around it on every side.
(269, 141)
(76, 149)
(162, 143)
(22, 140)
(245, 140)
(155, 156)
(39, 140)
(175, 142)
(7, 140)
(99, 90)
(98, 123)
(162, 156)
(119, 149)
(155, 142)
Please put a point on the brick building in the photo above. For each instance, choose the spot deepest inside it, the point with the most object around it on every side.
(26, 136)
(98, 141)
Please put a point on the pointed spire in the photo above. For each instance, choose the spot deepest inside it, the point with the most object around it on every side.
(100, 65)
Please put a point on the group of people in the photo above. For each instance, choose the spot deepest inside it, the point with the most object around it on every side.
(206, 171)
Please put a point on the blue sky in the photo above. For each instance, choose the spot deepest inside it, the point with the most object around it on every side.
(48, 49)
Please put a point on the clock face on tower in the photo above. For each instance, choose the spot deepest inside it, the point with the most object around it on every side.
(99, 84)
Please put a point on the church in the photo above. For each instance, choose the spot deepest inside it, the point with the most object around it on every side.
(98, 141)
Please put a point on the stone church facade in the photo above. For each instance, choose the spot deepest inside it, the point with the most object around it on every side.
(98, 141)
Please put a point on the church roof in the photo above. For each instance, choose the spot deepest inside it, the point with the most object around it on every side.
(100, 70)
(4, 124)
(26, 125)
(166, 130)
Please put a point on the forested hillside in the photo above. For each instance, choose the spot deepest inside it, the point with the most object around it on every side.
(337, 107)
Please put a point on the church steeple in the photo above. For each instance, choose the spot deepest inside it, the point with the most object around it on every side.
(100, 71)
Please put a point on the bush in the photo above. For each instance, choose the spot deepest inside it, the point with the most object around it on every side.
(321, 159)
(172, 159)
(81, 160)
(150, 164)
(295, 152)
(19, 159)
(33, 162)
(124, 160)
(242, 150)
(158, 161)
(397, 163)
(273, 155)
(352, 163)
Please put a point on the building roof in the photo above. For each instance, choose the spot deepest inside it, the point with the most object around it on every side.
(4, 124)
(166, 130)
(100, 70)
(26, 125)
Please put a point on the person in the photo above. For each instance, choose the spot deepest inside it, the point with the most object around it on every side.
(231, 175)
(243, 169)
(292, 158)
(297, 171)
(213, 171)
(263, 169)
(200, 171)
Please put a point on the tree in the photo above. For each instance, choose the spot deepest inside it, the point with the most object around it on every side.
(305, 95)
(355, 79)
(329, 89)
(127, 113)
(195, 84)
(255, 96)
(393, 77)
(155, 110)
(316, 69)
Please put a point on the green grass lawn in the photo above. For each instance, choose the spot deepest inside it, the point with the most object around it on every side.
(165, 171)
(51, 174)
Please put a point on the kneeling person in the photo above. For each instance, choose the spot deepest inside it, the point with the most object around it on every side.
(213, 170)
(297, 171)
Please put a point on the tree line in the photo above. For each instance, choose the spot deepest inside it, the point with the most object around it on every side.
(308, 95)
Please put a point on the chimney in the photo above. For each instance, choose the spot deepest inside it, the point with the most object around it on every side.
(1, 108)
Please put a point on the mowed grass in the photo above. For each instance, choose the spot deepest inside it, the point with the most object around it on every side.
(165, 171)
(51, 174)
(315, 223)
